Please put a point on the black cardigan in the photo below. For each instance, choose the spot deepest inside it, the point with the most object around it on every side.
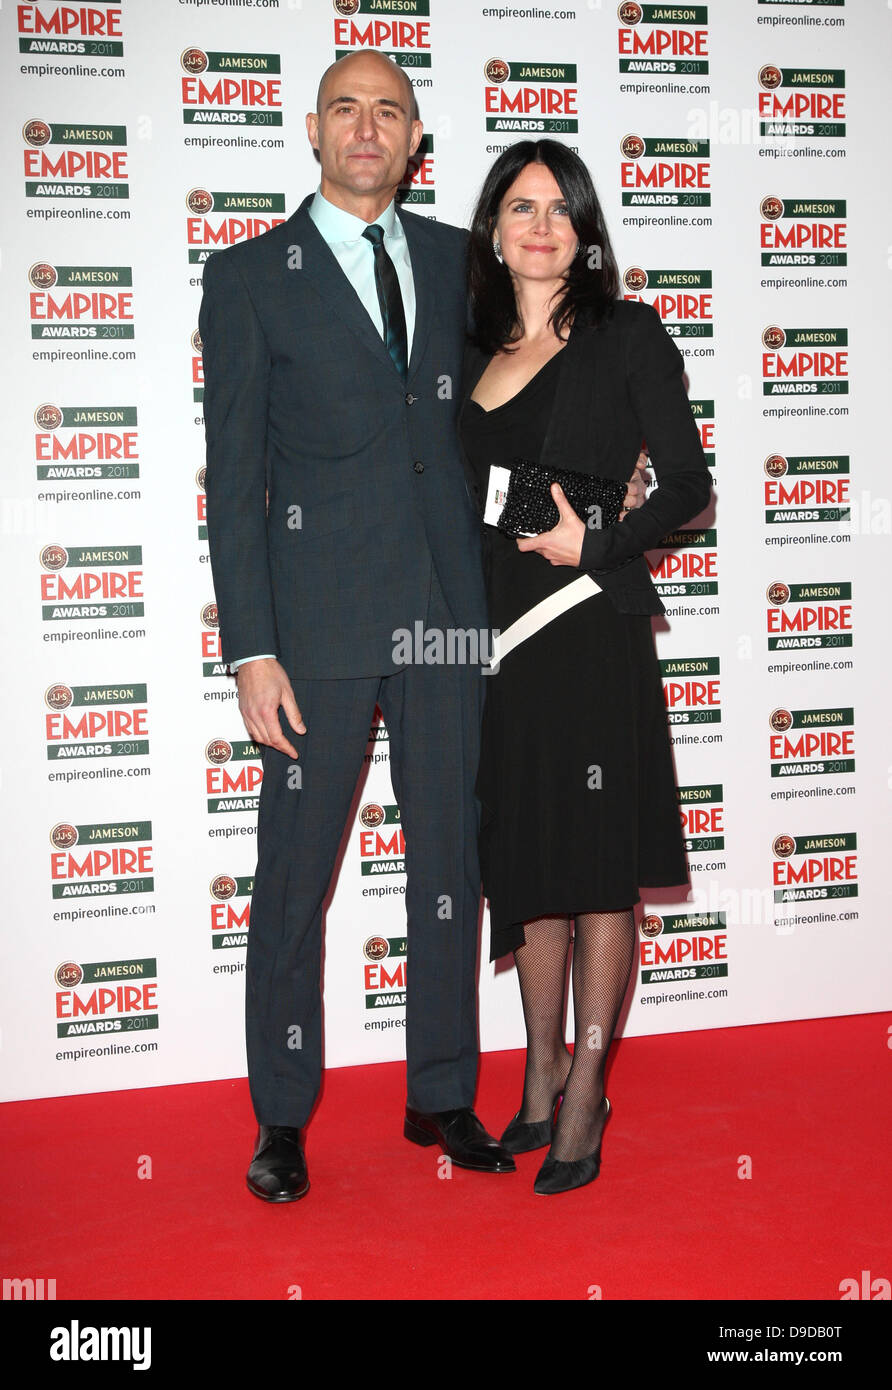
(621, 383)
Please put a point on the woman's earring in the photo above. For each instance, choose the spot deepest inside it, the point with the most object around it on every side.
(497, 249)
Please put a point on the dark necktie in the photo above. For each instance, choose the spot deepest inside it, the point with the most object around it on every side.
(390, 301)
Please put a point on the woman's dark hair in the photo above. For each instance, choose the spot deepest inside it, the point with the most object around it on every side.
(590, 289)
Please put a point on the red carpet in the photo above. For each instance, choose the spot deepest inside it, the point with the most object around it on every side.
(669, 1217)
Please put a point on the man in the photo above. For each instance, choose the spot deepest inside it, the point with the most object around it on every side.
(338, 514)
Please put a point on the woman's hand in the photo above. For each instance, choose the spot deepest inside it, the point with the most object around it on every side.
(562, 545)
(636, 487)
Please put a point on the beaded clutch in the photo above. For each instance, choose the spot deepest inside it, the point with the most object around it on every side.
(530, 509)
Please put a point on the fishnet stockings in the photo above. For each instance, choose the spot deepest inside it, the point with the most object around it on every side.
(603, 954)
(542, 970)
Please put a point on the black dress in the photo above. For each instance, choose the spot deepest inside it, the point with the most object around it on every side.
(576, 779)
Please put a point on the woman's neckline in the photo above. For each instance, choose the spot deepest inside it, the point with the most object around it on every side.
(526, 386)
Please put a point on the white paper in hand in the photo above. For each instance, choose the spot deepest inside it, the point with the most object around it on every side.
(496, 492)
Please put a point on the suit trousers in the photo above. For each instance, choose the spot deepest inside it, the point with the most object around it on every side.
(433, 715)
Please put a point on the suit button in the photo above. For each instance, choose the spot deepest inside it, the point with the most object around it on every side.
(418, 466)
(410, 399)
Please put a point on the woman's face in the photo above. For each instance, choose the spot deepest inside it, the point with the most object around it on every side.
(533, 226)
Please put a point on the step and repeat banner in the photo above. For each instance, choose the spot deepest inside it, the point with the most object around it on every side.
(740, 154)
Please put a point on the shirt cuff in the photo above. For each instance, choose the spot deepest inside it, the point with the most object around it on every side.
(243, 660)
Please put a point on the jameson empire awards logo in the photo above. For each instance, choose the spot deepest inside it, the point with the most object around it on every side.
(692, 946)
(400, 27)
(661, 171)
(230, 910)
(201, 504)
(86, 31)
(682, 298)
(378, 750)
(806, 488)
(229, 789)
(104, 582)
(809, 867)
(525, 96)
(805, 361)
(230, 88)
(807, 742)
(418, 182)
(382, 849)
(104, 860)
(704, 414)
(106, 996)
(805, 103)
(803, 231)
(702, 817)
(92, 162)
(197, 367)
(96, 721)
(80, 301)
(73, 442)
(211, 663)
(384, 972)
(804, 616)
(663, 38)
(686, 565)
(691, 688)
(222, 219)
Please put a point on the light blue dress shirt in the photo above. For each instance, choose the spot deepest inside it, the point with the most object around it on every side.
(343, 232)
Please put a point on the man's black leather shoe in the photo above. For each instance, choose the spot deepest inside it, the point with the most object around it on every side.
(278, 1171)
(460, 1135)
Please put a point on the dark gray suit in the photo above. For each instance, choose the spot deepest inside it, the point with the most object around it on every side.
(369, 529)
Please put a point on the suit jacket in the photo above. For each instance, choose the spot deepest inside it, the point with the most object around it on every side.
(363, 470)
(621, 383)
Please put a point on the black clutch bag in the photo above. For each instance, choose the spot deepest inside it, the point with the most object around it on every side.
(530, 509)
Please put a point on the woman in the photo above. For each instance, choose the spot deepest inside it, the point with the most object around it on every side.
(576, 778)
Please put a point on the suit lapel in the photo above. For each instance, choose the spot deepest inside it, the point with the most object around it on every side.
(423, 280)
(583, 380)
(322, 272)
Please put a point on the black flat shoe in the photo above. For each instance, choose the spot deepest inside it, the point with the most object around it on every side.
(278, 1170)
(556, 1175)
(522, 1136)
(460, 1135)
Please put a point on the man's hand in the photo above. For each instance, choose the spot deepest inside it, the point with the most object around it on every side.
(636, 488)
(562, 545)
(262, 687)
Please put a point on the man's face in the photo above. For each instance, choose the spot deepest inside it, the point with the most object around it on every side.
(364, 131)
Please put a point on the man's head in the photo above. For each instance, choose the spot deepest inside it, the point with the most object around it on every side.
(364, 128)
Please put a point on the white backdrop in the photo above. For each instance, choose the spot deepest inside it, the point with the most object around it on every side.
(740, 155)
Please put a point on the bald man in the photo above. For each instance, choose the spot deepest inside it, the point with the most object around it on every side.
(332, 356)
